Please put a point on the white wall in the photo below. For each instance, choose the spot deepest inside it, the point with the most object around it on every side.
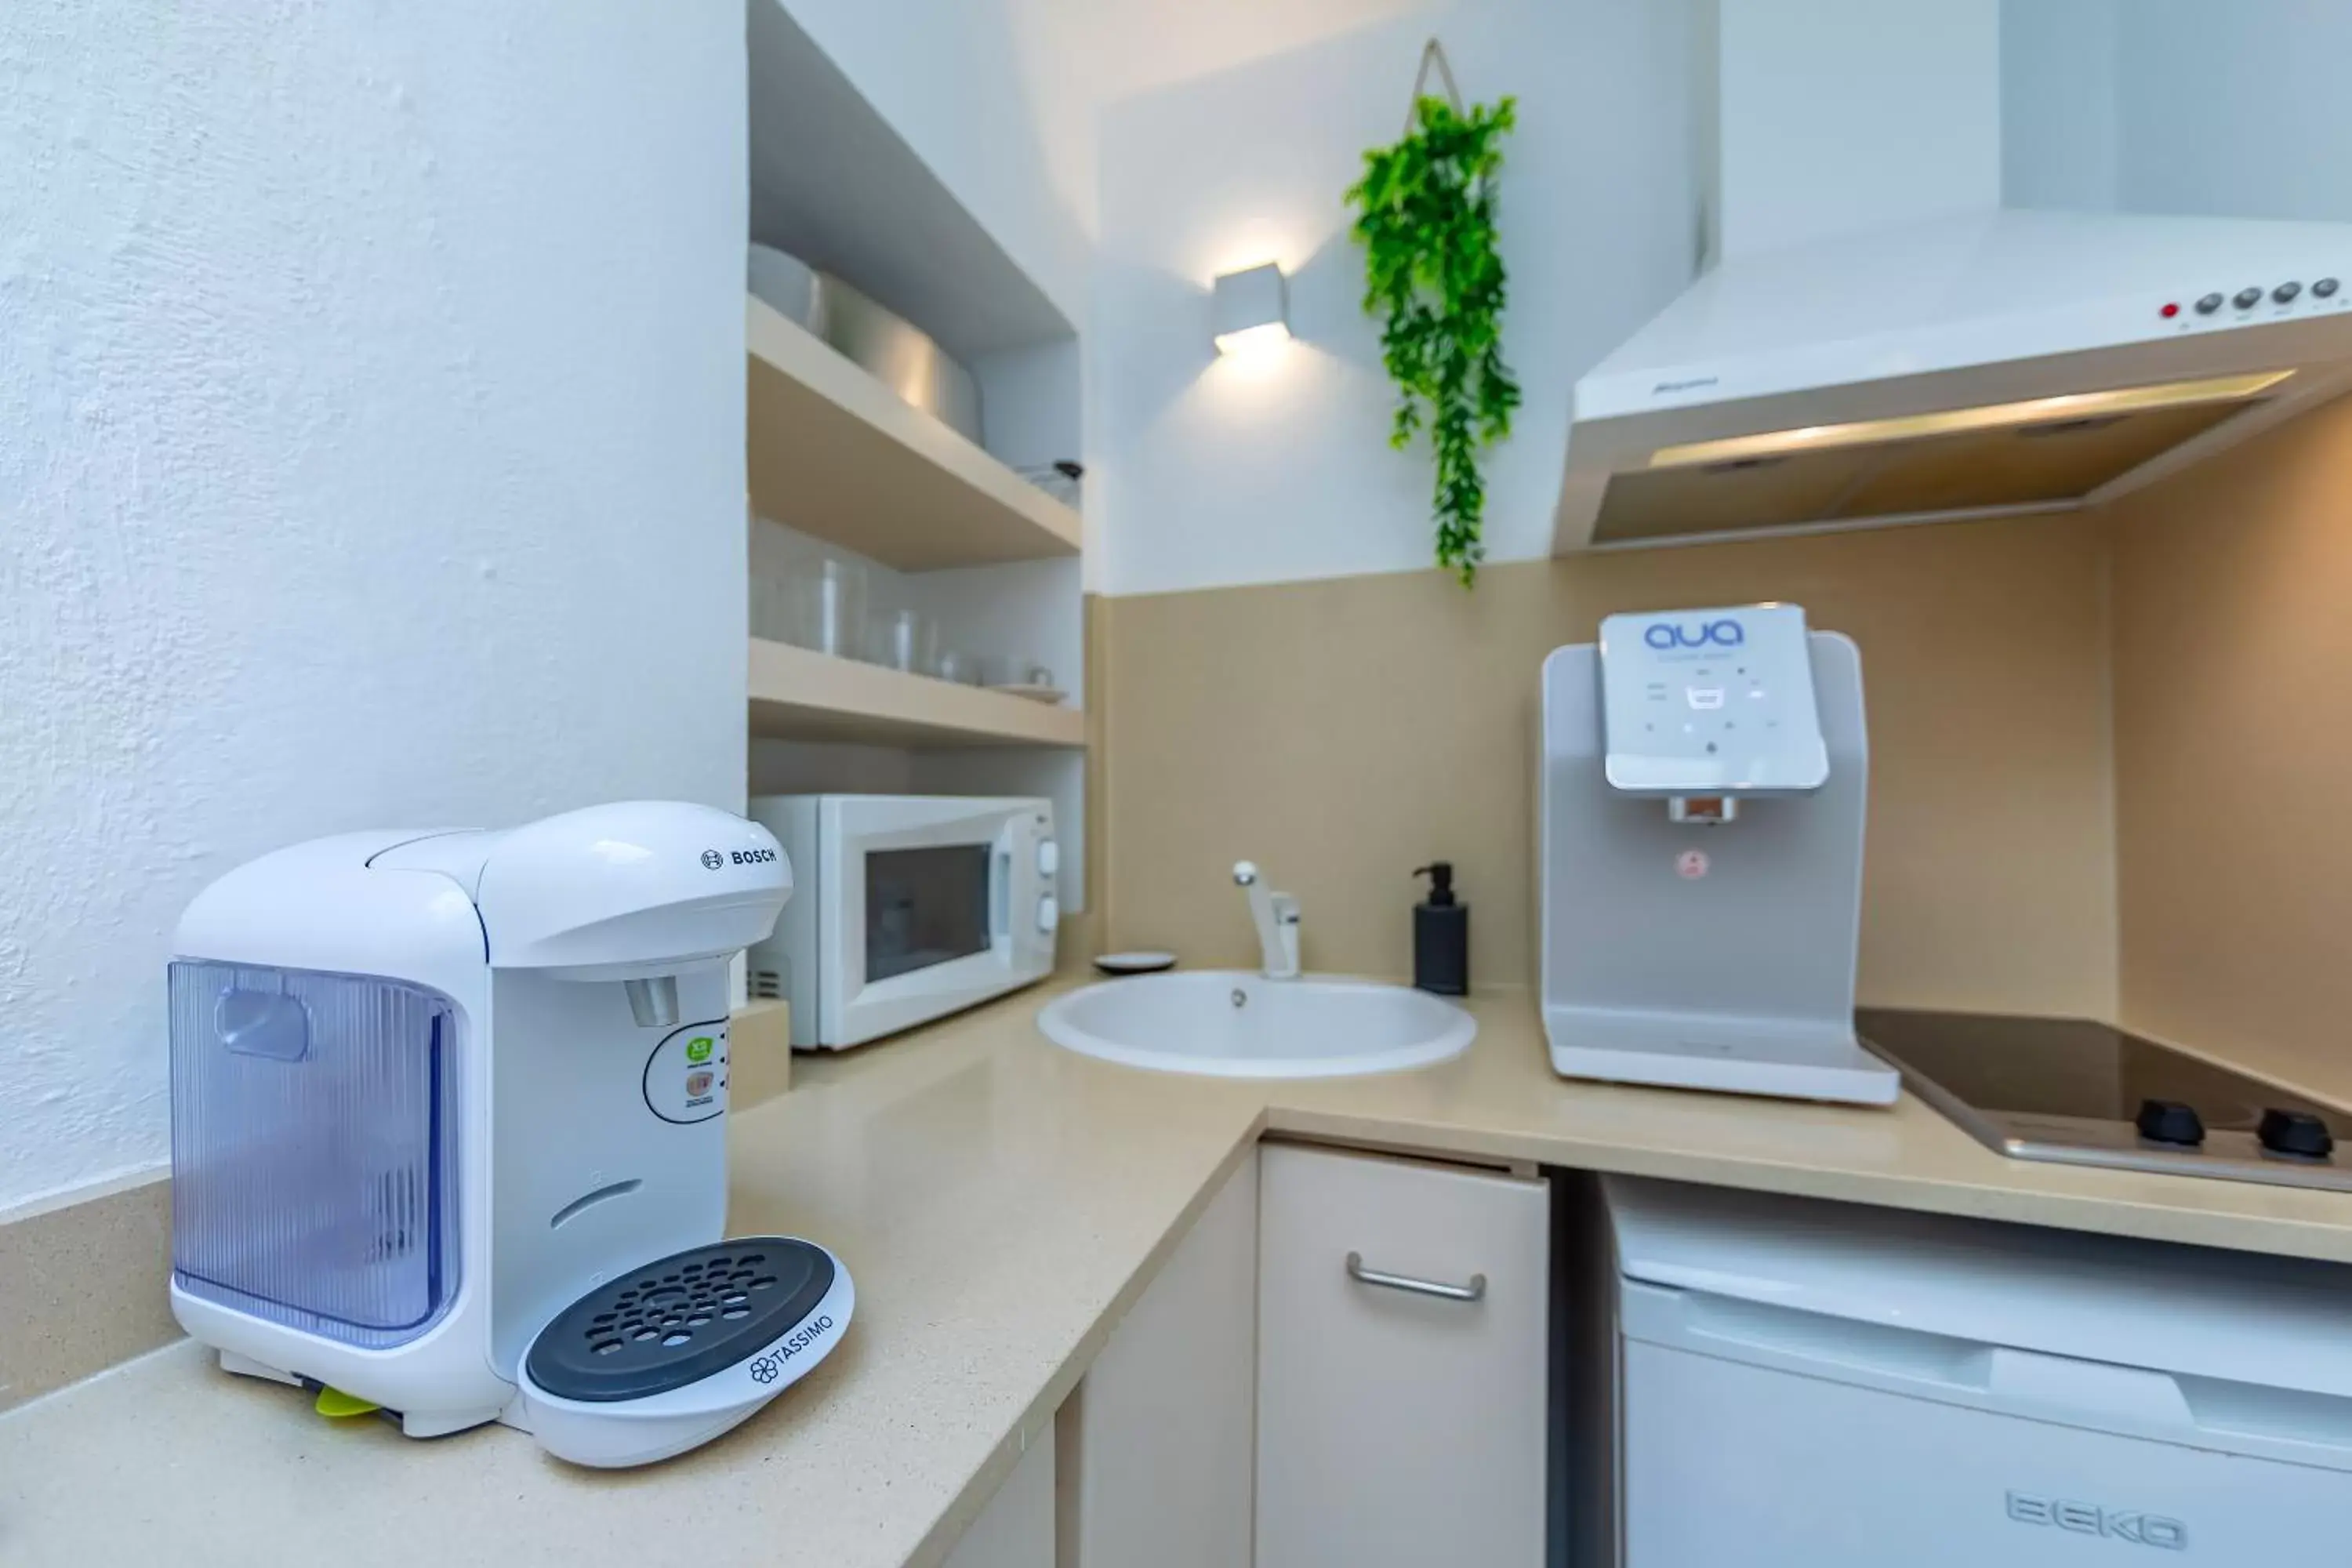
(2232, 108)
(991, 95)
(1029, 402)
(1204, 471)
(2060, 132)
(371, 453)
(1836, 116)
(2236, 107)
(999, 97)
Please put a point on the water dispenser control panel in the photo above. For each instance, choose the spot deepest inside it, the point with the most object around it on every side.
(1711, 703)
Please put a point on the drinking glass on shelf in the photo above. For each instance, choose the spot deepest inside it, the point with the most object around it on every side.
(1018, 669)
(959, 667)
(828, 607)
(906, 639)
(772, 610)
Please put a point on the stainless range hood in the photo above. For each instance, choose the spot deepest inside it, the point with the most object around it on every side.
(1842, 371)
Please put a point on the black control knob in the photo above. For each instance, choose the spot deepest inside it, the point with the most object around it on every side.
(2295, 1133)
(2247, 298)
(2208, 304)
(2325, 287)
(2170, 1121)
(2285, 292)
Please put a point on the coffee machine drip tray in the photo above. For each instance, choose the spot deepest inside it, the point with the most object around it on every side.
(673, 1353)
(2074, 1091)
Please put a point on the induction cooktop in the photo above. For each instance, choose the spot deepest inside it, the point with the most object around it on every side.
(2085, 1093)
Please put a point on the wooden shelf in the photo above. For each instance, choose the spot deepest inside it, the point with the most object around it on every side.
(836, 454)
(803, 695)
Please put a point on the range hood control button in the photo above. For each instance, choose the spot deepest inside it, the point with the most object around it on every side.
(2285, 292)
(2325, 287)
(2170, 1121)
(2248, 298)
(2208, 305)
(2295, 1133)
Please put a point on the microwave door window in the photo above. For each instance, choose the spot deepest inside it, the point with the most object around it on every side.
(924, 907)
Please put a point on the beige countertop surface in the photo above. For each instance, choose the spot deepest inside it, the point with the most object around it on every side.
(1000, 1202)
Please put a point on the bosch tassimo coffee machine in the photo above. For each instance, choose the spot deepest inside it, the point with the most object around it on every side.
(1703, 781)
(448, 1131)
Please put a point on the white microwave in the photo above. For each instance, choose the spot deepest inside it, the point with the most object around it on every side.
(905, 908)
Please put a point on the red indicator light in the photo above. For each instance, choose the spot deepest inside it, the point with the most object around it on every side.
(2169, 312)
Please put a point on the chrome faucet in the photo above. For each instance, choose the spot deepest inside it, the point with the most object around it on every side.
(1277, 918)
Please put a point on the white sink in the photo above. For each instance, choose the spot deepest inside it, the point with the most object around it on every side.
(1231, 1024)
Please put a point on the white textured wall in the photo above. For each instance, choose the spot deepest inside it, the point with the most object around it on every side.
(1206, 471)
(371, 452)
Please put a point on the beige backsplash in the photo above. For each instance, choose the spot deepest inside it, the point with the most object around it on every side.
(2233, 744)
(1342, 732)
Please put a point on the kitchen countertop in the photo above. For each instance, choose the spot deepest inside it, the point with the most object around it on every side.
(1000, 1202)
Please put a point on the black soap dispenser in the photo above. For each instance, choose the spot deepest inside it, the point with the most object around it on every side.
(1441, 935)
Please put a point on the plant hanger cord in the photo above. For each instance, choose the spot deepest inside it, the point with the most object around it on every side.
(1435, 276)
(1433, 58)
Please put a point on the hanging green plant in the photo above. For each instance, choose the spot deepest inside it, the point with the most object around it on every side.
(1434, 275)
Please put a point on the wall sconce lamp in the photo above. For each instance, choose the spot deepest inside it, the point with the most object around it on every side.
(1252, 310)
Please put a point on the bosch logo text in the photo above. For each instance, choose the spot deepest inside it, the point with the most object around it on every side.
(1668, 635)
(752, 856)
(2129, 1525)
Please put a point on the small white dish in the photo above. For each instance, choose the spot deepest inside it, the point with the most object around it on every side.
(1135, 963)
(1050, 694)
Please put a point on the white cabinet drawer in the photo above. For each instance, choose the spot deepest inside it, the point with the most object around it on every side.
(1396, 1429)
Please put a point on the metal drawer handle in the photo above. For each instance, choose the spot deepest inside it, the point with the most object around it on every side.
(1474, 1291)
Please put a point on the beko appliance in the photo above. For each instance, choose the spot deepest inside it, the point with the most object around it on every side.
(448, 1131)
(1704, 775)
(908, 907)
(2079, 1092)
(1841, 1386)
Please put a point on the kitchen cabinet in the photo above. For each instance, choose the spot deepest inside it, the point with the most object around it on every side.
(1402, 1365)
(1017, 1529)
(1157, 1466)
